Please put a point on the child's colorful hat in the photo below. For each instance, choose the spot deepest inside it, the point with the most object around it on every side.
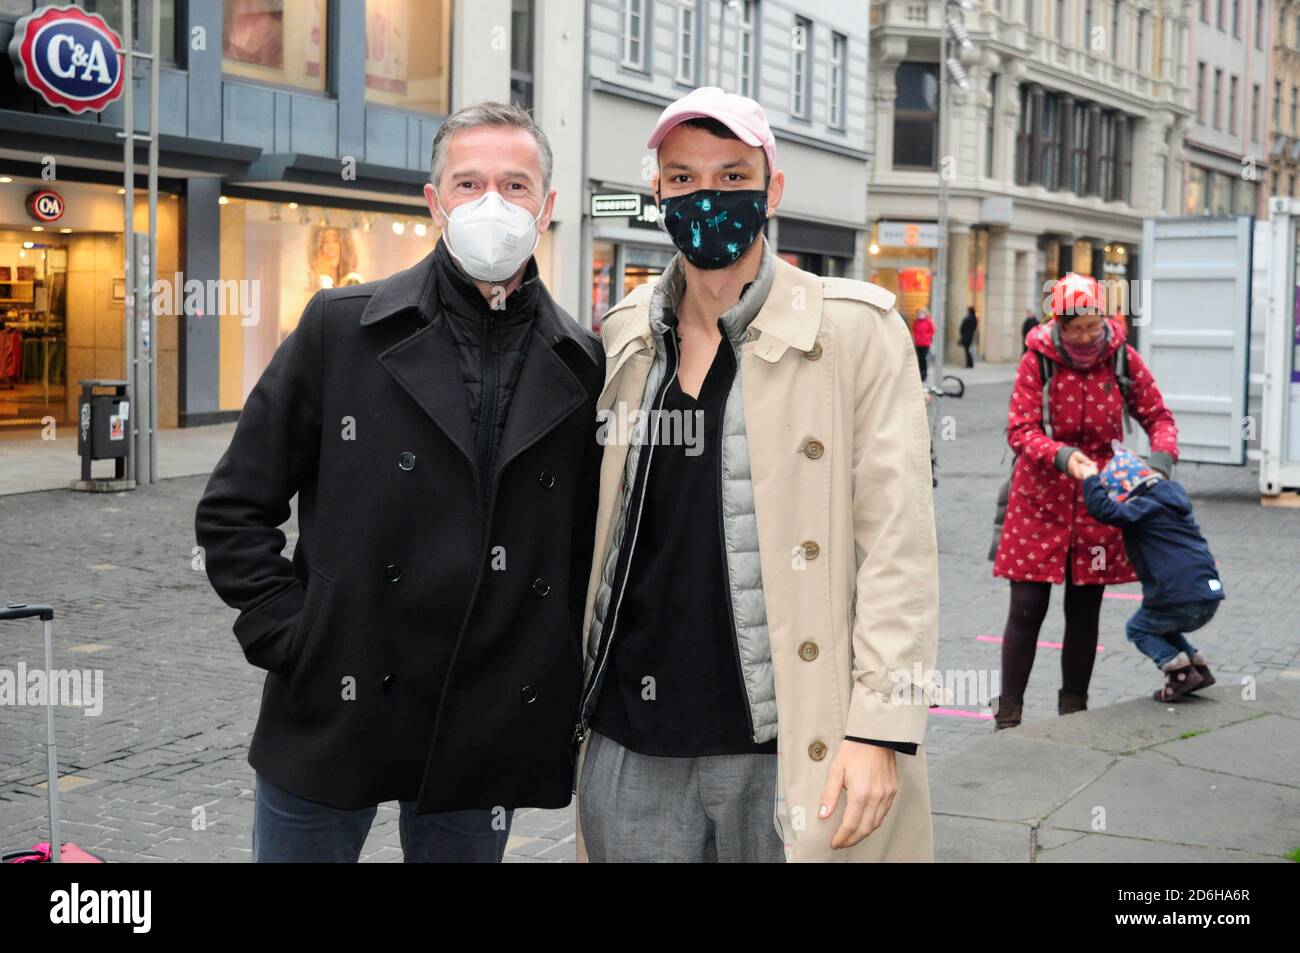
(1124, 473)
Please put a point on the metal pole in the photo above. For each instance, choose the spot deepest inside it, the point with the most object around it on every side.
(128, 230)
(51, 751)
(155, 49)
(939, 298)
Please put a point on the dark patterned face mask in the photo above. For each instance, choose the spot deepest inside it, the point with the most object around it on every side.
(713, 227)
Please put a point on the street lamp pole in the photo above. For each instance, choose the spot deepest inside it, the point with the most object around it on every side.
(952, 24)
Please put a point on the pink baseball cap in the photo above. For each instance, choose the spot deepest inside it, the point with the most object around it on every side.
(738, 113)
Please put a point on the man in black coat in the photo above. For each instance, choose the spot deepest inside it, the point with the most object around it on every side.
(438, 427)
(966, 334)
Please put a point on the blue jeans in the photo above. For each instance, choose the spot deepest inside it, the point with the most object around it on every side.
(291, 829)
(1158, 633)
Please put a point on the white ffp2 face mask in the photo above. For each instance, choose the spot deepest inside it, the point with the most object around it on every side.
(490, 238)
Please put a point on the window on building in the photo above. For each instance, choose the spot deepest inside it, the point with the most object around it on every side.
(1106, 156)
(1259, 24)
(745, 48)
(916, 115)
(1291, 188)
(1220, 18)
(1048, 143)
(1217, 110)
(686, 36)
(990, 126)
(1295, 102)
(835, 79)
(1232, 105)
(1196, 191)
(274, 41)
(1024, 134)
(800, 67)
(1277, 103)
(1087, 26)
(634, 34)
(1062, 33)
(1236, 18)
(1080, 149)
(1205, 11)
(1200, 92)
(522, 24)
(141, 25)
(411, 69)
(1029, 15)
(1254, 112)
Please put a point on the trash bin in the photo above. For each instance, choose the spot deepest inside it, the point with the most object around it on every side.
(104, 433)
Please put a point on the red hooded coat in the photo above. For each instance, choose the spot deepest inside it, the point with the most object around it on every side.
(1047, 523)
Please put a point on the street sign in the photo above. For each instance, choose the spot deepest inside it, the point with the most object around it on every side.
(620, 205)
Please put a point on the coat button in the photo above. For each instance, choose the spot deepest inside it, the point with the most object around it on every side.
(815, 353)
(392, 572)
(817, 750)
(388, 681)
(810, 549)
(541, 587)
(528, 694)
(407, 460)
(813, 449)
(546, 479)
(808, 651)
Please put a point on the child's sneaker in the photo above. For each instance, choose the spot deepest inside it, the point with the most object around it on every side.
(1198, 663)
(1180, 678)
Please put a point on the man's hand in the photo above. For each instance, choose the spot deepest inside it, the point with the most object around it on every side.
(871, 777)
(1080, 466)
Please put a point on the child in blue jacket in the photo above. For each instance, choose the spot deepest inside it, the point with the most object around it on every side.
(1180, 583)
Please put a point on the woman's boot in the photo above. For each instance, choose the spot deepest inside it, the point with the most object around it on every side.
(1067, 703)
(1008, 713)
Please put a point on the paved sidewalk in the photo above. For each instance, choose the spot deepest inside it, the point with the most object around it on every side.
(1211, 779)
(162, 773)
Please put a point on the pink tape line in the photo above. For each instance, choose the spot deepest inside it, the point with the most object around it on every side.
(958, 713)
(997, 639)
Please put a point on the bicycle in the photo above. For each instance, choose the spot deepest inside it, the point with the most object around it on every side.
(951, 386)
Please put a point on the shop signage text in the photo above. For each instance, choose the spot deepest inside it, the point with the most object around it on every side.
(69, 57)
(908, 234)
(623, 205)
(45, 205)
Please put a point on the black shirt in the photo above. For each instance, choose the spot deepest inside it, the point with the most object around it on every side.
(673, 686)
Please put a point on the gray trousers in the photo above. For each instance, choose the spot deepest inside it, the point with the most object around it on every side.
(637, 808)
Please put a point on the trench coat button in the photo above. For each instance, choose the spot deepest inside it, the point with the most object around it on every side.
(813, 449)
(407, 460)
(547, 479)
(392, 572)
(388, 681)
(528, 694)
(815, 353)
(817, 750)
(808, 651)
(810, 549)
(541, 587)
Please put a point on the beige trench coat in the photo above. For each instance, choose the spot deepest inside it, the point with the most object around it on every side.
(829, 366)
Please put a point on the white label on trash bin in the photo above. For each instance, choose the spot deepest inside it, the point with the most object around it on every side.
(116, 427)
(124, 409)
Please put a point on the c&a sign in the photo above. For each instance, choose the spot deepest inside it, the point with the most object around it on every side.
(70, 57)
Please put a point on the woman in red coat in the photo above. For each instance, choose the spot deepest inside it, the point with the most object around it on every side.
(922, 338)
(1049, 537)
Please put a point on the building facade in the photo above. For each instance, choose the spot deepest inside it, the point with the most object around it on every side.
(295, 141)
(1227, 152)
(1069, 134)
(804, 61)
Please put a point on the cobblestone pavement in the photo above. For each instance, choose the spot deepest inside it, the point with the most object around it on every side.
(161, 773)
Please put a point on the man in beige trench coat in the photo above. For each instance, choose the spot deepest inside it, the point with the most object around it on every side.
(762, 612)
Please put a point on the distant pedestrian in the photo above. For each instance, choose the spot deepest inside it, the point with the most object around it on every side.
(1180, 582)
(966, 334)
(1031, 322)
(922, 338)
